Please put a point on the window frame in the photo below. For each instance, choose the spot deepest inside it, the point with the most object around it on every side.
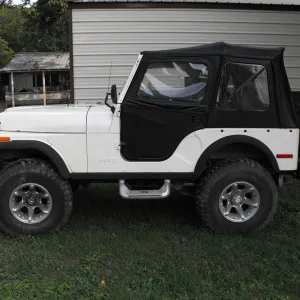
(165, 98)
(245, 62)
(132, 92)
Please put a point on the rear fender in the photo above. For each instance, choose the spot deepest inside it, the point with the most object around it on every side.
(213, 150)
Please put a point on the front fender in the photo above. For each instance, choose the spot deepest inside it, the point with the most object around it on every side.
(41, 147)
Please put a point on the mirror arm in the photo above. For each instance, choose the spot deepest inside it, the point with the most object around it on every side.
(112, 108)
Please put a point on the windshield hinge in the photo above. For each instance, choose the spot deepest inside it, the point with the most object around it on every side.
(118, 145)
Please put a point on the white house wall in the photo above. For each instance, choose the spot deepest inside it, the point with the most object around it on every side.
(102, 37)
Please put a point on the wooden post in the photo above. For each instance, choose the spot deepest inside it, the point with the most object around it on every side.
(12, 89)
(44, 88)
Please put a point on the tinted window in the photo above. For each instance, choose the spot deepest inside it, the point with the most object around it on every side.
(170, 81)
(243, 87)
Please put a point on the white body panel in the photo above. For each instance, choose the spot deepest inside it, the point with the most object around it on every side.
(93, 145)
(104, 154)
(279, 141)
(99, 119)
(58, 119)
(62, 127)
(108, 159)
(73, 148)
(38, 137)
(70, 147)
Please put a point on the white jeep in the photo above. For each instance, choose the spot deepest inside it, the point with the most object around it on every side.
(215, 121)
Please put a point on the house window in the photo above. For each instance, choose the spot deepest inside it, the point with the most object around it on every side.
(174, 81)
(243, 87)
(37, 80)
(51, 80)
(54, 79)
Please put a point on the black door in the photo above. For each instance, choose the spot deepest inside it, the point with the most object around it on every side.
(166, 101)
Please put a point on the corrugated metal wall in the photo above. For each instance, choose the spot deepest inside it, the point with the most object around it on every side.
(102, 36)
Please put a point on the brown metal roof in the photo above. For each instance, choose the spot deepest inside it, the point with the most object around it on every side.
(38, 61)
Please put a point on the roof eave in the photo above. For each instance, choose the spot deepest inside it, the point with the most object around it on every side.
(33, 71)
(73, 4)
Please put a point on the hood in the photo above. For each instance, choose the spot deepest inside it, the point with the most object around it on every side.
(46, 119)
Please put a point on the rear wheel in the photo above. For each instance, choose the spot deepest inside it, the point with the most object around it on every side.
(34, 198)
(237, 196)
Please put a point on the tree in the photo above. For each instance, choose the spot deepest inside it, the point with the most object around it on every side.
(12, 27)
(53, 24)
(4, 3)
(6, 53)
(40, 27)
(33, 38)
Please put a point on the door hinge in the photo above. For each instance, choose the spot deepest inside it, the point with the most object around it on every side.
(118, 145)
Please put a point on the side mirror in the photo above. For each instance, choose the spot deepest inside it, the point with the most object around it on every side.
(114, 94)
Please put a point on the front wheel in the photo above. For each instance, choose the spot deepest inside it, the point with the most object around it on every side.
(237, 196)
(34, 198)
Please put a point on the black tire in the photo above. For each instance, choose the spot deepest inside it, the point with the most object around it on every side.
(85, 184)
(40, 173)
(75, 186)
(222, 175)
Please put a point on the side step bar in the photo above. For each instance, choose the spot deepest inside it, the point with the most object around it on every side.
(161, 193)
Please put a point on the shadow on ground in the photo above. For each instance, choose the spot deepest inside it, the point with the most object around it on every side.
(103, 200)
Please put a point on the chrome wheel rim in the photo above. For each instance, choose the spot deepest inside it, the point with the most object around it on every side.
(30, 203)
(239, 201)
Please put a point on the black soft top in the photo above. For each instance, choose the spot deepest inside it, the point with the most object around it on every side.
(280, 113)
(219, 49)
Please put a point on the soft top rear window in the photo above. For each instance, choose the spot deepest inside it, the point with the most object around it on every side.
(243, 87)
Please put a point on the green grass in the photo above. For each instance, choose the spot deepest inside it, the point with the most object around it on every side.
(153, 250)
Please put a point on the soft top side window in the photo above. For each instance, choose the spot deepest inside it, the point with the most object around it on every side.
(243, 87)
(174, 81)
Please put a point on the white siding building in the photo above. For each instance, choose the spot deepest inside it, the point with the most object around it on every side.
(113, 33)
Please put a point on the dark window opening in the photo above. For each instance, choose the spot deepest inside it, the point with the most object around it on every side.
(174, 81)
(37, 80)
(54, 79)
(243, 87)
